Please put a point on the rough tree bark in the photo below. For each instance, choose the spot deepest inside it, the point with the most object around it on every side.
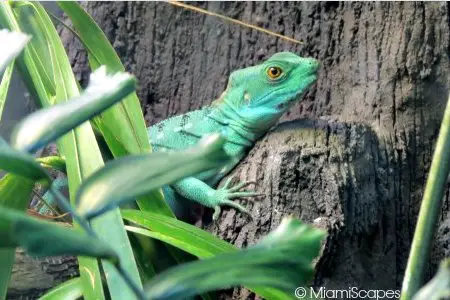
(359, 165)
(31, 277)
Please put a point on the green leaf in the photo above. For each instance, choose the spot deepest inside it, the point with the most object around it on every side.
(70, 290)
(54, 162)
(32, 72)
(20, 163)
(42, 238)
(282, 260)
(46, 125)
(7, 259)
(83, 157)
(188, 238)
(122, 126)
(38, 47)
(78, 146)
(177, 233)
(15, 193)
(438, 287)
(4, 86)
(15, 42)
(129, 177)
(33, 75)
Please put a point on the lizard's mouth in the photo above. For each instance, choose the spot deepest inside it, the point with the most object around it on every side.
(296, 95)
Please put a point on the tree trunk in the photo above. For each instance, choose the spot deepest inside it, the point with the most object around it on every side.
(358, 162)
(31, 277)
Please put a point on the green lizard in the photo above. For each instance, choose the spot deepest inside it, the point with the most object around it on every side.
(253, 102)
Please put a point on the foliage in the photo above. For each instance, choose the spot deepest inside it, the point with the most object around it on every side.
(110, 105)
(438, 287)
(429, 210)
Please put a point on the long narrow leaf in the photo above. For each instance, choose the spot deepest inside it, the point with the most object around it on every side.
(430, 208)
(129, 177)
(4, 86)
(190, 239)
(15, 193)
(38, 129)
(38, 47)
(83, 158)
(438, 287)
(125, 123)
(70, 290)
(42, 238)
(13, 43)
(32, 76)
(54, 162)
(20, 163)
(283, 260)
(177, 233)
(30, 72)
(123, 126)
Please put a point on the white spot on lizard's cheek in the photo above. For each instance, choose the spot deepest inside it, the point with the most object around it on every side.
(160, 136)
(247, 97)
(188, 125)
(177, 129)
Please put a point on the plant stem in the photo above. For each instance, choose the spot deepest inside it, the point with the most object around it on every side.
(429, 211)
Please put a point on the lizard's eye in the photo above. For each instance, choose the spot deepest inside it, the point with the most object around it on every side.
(274, 72)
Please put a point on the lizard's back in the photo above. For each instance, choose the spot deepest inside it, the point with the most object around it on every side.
(180, 132)
(183, 131)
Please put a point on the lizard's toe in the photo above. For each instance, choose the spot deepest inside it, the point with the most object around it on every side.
(216, 213)
(244, 194)
(226, 194)
(240, 185)
(238, 207)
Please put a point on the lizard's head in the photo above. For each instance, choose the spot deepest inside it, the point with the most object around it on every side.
(257, 96)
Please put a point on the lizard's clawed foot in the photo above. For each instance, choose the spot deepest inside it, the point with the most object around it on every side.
(224, 195)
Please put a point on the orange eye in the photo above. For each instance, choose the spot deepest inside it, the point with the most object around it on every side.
(274, 72)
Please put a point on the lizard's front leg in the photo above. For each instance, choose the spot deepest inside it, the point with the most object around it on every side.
(198, 191)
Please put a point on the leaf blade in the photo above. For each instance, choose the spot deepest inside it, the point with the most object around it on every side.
(20, 163)
(131, 124)
(15, 193)
(439, 286)
(281, 261)
(4, 86)
(38, 129)
(43, 238)
(137, 175)
(70, 290)
(16, 41)
(123, 126)
(179, 234)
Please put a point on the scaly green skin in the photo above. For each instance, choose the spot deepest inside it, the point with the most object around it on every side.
(252, 104)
